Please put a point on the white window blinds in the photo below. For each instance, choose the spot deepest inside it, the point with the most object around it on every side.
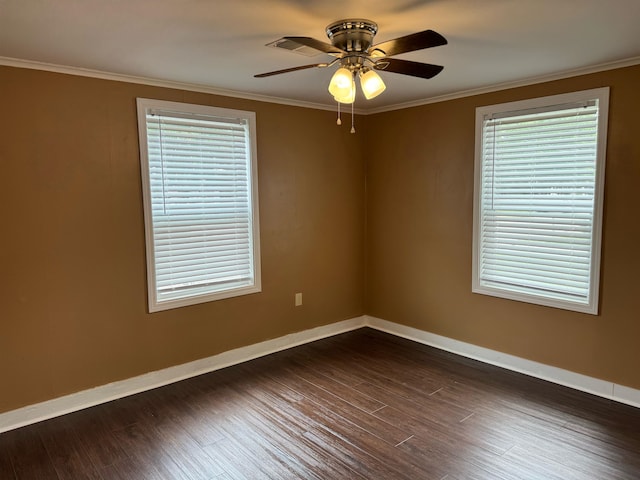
(538, 204)
(200, 199)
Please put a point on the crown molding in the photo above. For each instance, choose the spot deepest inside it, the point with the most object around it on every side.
(85, 72)
(190, 87)
(629, 62)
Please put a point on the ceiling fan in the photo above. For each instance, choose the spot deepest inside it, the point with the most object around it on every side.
(353, 49)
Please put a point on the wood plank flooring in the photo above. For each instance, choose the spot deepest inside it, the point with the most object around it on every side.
(362, 405)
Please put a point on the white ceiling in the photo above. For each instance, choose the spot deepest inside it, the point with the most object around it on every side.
(219, 44)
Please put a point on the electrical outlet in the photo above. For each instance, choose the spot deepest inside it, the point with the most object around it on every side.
(298, 299)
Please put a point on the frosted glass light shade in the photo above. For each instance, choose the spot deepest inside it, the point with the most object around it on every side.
(372, 85)
(342, 86)
(349, 97)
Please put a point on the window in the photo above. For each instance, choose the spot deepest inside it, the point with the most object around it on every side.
(200, 202)
(539, 181)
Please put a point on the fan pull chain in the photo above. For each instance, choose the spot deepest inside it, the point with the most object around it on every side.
(339, 122)
(353, 126)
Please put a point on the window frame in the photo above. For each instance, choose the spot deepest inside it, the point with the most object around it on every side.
(602, 96)
(154, 303)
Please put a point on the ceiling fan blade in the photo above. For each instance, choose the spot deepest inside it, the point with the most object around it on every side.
(317, 44)
(410, 43)
(292, 69)
(406, 67)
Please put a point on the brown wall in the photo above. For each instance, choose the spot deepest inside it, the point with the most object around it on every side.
(419, 236)
(73, 294)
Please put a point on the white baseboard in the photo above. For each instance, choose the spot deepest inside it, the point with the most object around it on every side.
(577, 381)
(112, 391)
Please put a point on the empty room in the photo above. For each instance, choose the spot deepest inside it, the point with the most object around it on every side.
(304, 239)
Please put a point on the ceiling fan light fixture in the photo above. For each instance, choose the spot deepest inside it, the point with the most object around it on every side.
(353, 48)
(342, 86)
(371, 84)
(349, 96)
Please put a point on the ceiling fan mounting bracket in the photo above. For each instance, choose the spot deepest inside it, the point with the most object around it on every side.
(352, 35)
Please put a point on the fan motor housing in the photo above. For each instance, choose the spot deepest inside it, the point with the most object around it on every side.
(352, 35)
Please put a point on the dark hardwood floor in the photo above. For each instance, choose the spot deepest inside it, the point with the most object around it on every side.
(359, 405)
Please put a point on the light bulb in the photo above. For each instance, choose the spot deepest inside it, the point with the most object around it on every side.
(342, 86)
(371, 83)
(348, 97)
